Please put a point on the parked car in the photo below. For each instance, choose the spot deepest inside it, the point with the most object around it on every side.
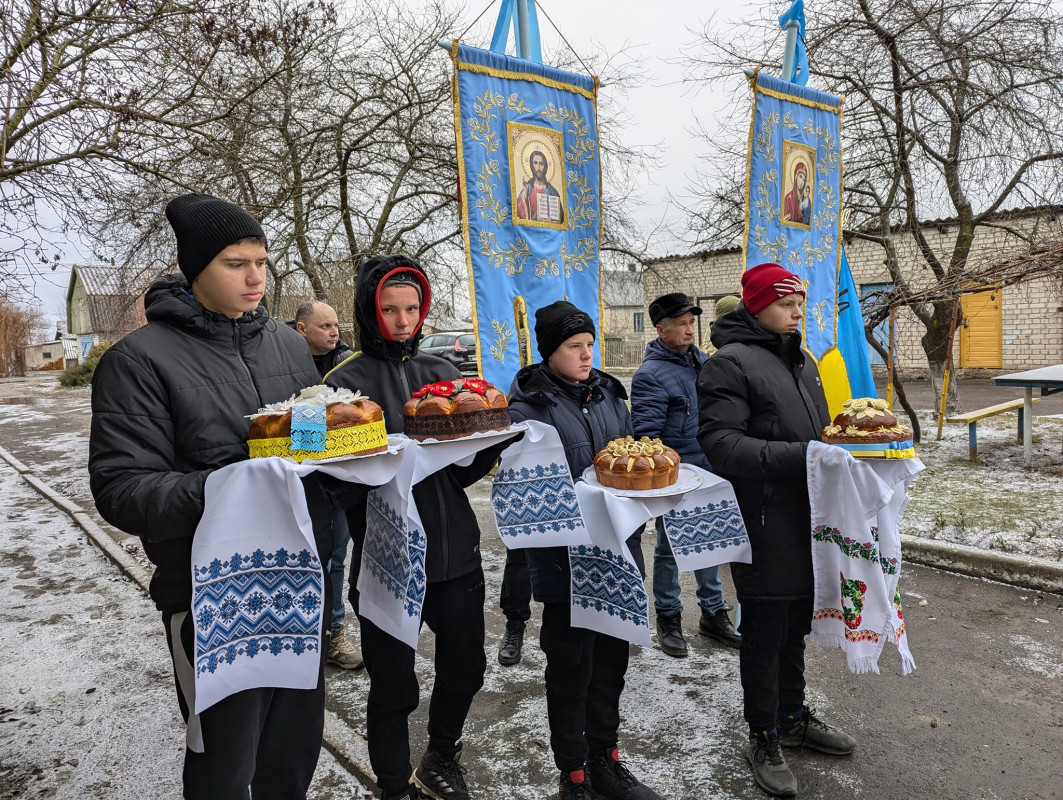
(457, 347)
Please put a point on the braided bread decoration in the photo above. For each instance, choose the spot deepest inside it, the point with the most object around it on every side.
(636, 464)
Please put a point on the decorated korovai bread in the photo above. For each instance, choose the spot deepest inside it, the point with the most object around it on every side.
(452, 409)
(636, 464)
(867, 428)
(321, 422)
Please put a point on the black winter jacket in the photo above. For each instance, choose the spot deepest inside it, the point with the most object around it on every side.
(760, 403)
(389, 372)
(168, 407)
(588, 416)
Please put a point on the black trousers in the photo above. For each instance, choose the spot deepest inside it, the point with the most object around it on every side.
(772, 658)
(515, 597)
(265, 739)
(454, 611)
(584, 678)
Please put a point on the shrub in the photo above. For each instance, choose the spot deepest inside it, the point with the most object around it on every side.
(81, 375)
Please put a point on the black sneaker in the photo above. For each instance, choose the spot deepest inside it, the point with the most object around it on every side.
(575, 786)
(613, 781)
(411, 793)
(815, 734)
(718, 626)
(441, 777)
(670, 634)
(770, 769)
(512, 644)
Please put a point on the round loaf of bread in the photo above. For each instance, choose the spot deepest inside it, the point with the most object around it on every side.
(452, 409)
(636, 465)
(866, 420)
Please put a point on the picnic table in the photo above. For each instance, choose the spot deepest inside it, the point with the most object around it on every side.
(1049, 380)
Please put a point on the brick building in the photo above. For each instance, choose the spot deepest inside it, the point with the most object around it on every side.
(1006, 329)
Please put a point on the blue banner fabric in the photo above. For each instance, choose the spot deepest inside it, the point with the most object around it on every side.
(530, 182)
(852, 341)
(793, 196)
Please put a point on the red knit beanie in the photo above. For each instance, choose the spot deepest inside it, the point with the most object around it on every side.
(763, 284)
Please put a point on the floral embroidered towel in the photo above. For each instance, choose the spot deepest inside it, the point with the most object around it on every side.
(852, 605)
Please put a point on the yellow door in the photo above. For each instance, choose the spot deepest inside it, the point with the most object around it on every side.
(981, 343)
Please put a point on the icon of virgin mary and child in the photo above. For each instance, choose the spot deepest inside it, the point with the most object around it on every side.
(797, 204)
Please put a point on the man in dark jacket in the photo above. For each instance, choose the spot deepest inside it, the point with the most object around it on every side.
(761, 402)
(392, 299)
(664, 405)
(317, 323)
(584, 669)
(169, 406)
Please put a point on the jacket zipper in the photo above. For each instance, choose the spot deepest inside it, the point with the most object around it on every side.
(240, 358)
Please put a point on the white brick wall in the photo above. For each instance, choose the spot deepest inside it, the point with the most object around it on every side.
(1032, 313)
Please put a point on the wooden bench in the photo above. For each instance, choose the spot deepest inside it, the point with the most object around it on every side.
(972, 417)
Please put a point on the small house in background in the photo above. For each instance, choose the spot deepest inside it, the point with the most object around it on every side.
(104, 303)
(56, 354)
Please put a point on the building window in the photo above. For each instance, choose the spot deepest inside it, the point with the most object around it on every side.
(47, 354)
(640, 322)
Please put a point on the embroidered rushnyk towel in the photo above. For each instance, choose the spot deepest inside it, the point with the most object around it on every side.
(856, 553)
(257, 579)
(392, 581)
(706, 529)
(533, 494)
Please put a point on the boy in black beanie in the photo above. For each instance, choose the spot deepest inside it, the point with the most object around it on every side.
(584, 669)
(169, 406)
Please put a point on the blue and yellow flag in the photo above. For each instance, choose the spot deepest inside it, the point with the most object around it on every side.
(793, 209)
(530, 182)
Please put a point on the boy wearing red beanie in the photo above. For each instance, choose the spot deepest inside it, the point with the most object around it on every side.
(760, 403)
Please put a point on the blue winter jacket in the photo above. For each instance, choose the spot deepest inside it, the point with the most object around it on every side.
(664, 399)
(587, 415)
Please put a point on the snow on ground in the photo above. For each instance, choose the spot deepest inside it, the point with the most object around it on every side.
(994, 503)
(87, 705)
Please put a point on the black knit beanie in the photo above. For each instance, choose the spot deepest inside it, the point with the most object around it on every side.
(204, 226)
(557, 322)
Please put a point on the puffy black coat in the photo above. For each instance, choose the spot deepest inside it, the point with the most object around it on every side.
(588, 416)
(388, 372)
(169, 406)
(664, 399)
(760, 403)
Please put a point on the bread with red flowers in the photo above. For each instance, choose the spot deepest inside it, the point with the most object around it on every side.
(452, 409)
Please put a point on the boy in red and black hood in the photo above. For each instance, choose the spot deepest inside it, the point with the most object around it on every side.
(392, 299)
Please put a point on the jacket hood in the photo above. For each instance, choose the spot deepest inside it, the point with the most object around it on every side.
(371, 274)
(169, 299)
(742, 327)
(537, 385)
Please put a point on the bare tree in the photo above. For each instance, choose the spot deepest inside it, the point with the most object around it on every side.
(953, 109)
(18, 325)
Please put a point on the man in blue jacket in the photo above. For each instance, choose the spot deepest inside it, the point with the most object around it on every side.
(664, 405)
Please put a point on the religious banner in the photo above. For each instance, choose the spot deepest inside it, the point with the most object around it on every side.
(530, 181)
(793, 209)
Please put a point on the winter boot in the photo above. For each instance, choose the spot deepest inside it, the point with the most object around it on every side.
(718, 626)
(575, 786)
(441, 776)
(670, 634)
(512, 644)
(342, 652)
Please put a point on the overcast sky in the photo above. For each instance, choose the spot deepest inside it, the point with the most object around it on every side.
(662, 112)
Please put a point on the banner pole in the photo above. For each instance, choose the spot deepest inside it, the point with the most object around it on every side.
(789, 50)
